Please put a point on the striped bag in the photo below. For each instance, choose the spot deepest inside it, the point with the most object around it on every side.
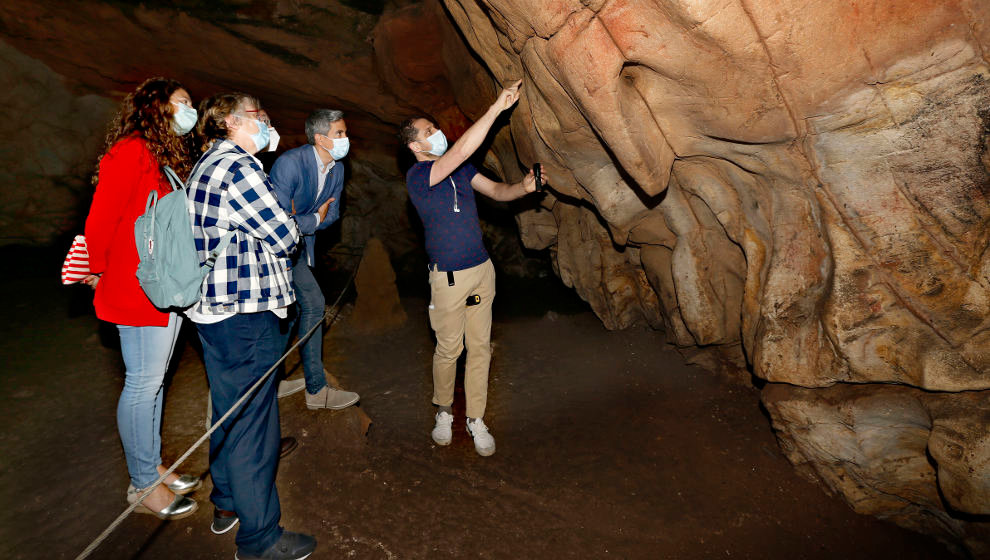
(76, 265)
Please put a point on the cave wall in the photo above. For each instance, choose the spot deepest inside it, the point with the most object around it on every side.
(379, 62)
(51, 136)
(801, 190)
(64, 75)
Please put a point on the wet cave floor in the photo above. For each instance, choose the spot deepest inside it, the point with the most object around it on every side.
(609, 446)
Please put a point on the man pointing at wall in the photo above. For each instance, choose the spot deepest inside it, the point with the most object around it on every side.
(462, 280)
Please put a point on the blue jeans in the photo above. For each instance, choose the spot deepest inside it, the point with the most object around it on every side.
(309, 298)
(146, 352)
(244, 450)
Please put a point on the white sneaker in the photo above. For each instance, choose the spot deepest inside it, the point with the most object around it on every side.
(441, 432)
(484, 443)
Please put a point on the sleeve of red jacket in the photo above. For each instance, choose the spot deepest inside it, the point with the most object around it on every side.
(118, 171)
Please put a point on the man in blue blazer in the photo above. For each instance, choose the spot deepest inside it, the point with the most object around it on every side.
(309, 182)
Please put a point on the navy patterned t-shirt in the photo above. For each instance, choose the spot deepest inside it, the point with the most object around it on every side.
(453, 239)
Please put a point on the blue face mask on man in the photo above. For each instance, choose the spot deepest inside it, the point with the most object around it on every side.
(340, 147)
(183, 119)
(438, 143)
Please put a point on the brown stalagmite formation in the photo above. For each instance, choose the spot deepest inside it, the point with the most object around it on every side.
(378, 309)
(799, 187)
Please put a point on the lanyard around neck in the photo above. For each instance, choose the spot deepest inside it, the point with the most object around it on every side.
(452, 184)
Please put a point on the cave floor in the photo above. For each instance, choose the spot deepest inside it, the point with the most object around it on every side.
(609, 446)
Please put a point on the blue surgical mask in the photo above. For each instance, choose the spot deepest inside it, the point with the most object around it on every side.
(184, 119)
(262, 136)
(340, 148)
(438, 142)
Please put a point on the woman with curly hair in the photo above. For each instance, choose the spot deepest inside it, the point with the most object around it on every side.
(149, 132)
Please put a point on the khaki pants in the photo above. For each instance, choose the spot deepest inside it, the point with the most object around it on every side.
(455, 325)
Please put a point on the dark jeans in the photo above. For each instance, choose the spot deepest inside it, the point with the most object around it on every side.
(311, 306)
(244, 450)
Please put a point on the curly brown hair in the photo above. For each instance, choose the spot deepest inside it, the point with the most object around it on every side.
(213, 112)
(147, 112)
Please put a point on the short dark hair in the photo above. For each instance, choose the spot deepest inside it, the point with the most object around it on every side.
(408, 131)
(319, 122)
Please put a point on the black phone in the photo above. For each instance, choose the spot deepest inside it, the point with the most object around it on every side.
(538, 174)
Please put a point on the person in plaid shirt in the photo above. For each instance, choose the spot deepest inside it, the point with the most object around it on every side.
(245, 294)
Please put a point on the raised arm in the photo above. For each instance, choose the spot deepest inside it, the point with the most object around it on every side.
(504, 192)
(474, 136)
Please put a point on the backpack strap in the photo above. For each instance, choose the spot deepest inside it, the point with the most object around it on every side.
(220, 248)
(172, 177)
(226, 239)
(150, 208)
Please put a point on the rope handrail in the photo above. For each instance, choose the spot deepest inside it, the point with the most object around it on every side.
(120, 518)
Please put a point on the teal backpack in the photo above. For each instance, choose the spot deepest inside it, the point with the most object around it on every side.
(169, 269)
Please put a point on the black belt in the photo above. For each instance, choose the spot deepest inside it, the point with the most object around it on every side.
(471, 300)
(450, 273)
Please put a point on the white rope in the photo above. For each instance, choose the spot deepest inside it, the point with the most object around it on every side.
(120, 518)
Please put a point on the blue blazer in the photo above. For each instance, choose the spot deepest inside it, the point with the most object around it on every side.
(294, 176)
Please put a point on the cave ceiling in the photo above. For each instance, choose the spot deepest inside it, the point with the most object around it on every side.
(377, 66)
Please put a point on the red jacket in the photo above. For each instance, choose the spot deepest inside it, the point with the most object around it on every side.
(128, 172)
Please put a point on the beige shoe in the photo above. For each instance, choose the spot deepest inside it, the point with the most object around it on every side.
(331, 398)
(288, 387)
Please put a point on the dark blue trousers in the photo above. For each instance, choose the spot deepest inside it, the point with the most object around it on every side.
(244, 450)
(311, 306)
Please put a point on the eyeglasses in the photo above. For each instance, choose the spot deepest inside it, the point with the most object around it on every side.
(264, 119)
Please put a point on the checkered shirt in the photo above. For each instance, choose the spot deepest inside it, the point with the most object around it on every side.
(229, 190)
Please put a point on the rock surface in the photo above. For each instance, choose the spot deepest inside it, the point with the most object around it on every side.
(801, 188)
(914, 457)
(51, 137)
(295, 56)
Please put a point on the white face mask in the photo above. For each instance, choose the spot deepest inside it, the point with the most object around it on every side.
(183, 119)
(273, 139)
(340, 148)
(438, 144)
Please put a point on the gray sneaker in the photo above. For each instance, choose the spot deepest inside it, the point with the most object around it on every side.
(331, 398)
(288, 387)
